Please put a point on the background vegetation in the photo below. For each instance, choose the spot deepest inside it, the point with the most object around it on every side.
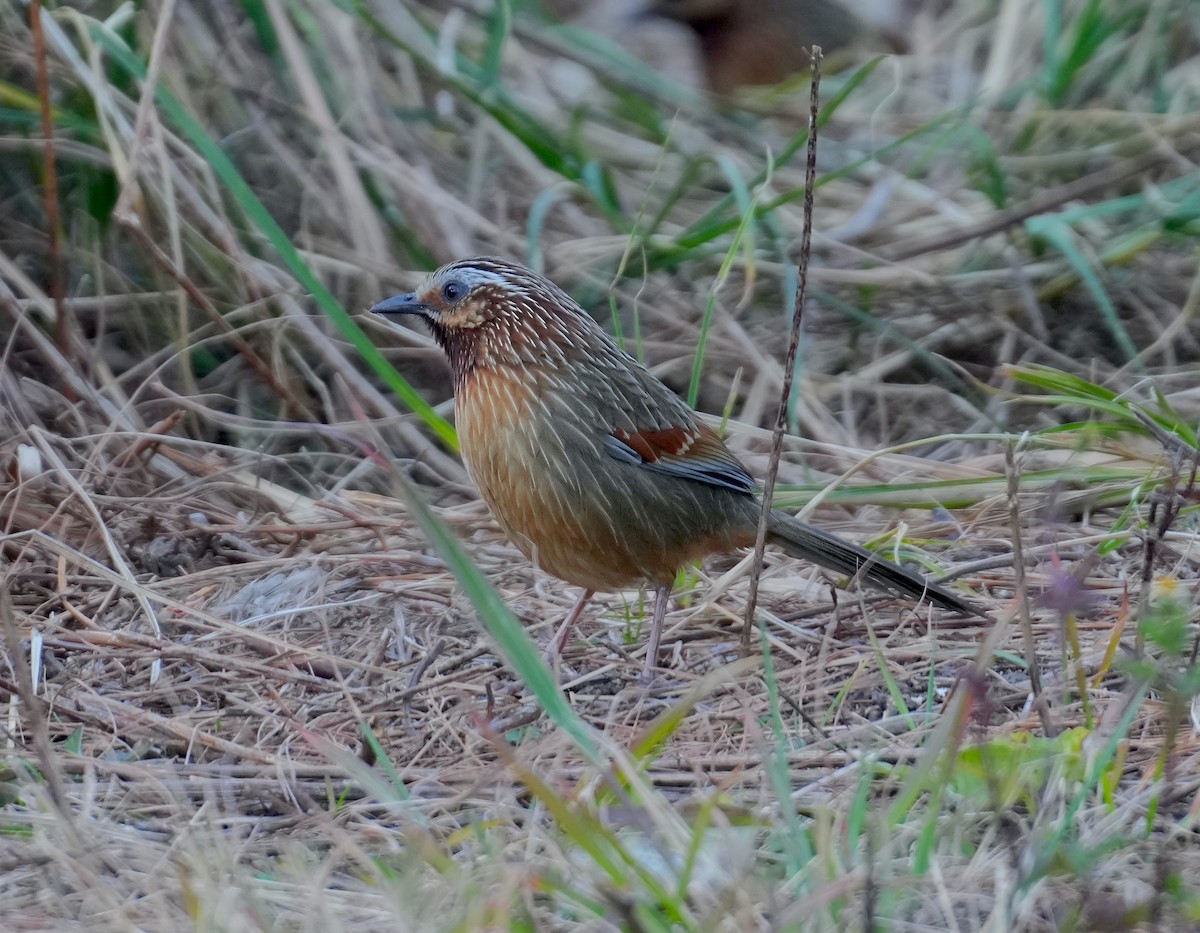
(268, 663)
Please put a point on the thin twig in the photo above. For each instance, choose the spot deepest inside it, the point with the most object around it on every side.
(1022, 591)
(419, 671)
(789, 366)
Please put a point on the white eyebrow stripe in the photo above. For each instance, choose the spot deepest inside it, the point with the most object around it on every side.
(473, 277)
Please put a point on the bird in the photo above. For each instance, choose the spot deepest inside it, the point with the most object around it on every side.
(761, 42)
(600, 474)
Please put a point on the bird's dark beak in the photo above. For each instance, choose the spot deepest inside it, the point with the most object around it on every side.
(402, 304)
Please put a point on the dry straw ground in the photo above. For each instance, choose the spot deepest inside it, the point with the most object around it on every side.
(244, 691)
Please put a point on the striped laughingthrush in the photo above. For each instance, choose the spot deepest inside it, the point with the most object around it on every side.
(598, 472)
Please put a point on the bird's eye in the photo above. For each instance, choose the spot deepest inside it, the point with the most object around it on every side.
(452, 291)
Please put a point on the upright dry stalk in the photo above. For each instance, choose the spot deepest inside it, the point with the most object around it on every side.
(1040, 702)
(789, 366)
(50, 188)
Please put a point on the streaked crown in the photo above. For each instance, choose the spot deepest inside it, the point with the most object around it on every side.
(491, 312)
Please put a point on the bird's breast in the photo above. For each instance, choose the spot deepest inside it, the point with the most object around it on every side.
(540, 467)
(535, 446)
(497, 415)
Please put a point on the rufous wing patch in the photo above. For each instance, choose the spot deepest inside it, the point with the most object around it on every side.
(652, 446)
(695, 453)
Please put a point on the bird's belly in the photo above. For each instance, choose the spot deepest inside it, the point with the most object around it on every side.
(565, 504)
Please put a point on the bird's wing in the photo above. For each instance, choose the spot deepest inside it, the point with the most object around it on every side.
(694, 452)
(652, 427)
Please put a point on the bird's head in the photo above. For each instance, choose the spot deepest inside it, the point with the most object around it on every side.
(491, 312)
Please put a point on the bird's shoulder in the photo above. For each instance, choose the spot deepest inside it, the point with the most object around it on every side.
(646, 424)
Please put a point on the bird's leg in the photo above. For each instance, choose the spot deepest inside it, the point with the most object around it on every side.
(564, 630)
(662, 596)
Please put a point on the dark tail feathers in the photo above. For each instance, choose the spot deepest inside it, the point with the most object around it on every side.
(820, 547)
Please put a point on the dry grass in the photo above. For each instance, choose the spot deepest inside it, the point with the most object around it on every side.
(243, 690)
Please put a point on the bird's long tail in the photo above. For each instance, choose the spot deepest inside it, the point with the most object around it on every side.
(821, 547)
